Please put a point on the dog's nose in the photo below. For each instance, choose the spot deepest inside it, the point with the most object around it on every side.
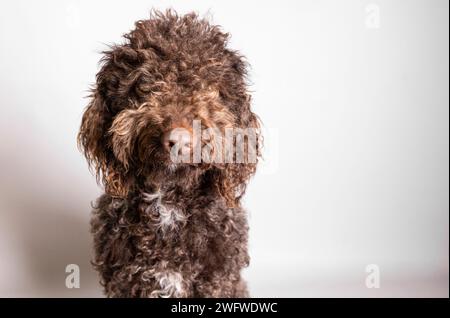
(177, 141)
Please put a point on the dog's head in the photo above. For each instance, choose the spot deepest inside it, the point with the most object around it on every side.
(172, 88)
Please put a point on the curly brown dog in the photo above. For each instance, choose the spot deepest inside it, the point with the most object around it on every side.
(165, 229)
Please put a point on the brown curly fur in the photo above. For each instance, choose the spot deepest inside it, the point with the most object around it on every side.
(160, 232)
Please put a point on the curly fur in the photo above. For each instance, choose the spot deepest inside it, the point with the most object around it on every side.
(162, 230)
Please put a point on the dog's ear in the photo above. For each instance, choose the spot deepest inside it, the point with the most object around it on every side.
(94, 142)
(92, 135)
(232, 178)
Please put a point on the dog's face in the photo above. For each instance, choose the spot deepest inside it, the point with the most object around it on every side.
(173, 76)
(147, 135)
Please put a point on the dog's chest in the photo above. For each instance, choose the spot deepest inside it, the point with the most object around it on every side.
(163, 211)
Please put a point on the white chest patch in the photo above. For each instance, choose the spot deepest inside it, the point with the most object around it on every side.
(171, 284)
(169, 217)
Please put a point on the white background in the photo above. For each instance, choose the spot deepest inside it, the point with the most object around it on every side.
(357, 143)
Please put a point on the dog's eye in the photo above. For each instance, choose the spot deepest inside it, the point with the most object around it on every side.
(143, 87)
